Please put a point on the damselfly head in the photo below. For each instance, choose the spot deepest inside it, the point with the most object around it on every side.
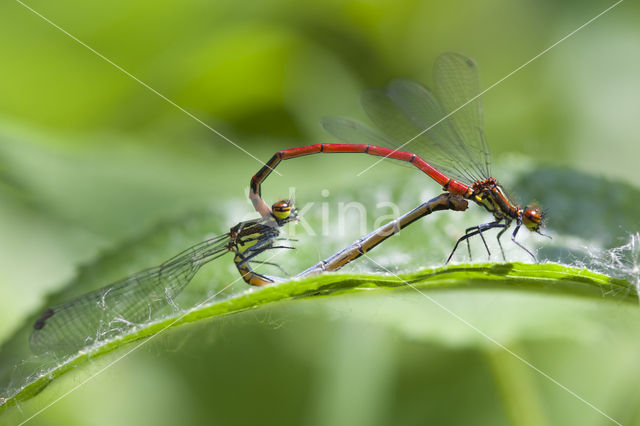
(532, 217)
(283, 211)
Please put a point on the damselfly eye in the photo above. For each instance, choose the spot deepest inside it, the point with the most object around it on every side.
(532, 217)
(281, 209)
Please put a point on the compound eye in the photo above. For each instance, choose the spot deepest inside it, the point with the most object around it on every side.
(281, 209)
(532, 217)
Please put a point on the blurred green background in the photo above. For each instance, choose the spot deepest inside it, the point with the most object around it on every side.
(92, 162)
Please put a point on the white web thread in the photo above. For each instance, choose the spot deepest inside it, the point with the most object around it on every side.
(619, 262)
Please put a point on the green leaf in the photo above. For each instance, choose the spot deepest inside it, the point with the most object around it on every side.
(540, 278)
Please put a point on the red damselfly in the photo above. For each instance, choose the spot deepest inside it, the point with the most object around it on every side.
(443, 134)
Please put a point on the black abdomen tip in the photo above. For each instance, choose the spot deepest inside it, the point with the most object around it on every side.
(43, 318)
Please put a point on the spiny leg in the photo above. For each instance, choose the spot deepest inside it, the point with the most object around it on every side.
(295, 240)
(257, 250)
(464, 237)
(507, 224)
(284, 247)
(513, 238)
(243, 265)
(260, 238)
(262, 262)
(479, 230)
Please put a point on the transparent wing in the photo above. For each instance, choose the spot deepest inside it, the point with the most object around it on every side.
(111, 310)
(457, 83)
(351, 131)
(412, 118)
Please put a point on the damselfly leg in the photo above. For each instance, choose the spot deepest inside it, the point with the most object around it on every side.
(479, 230)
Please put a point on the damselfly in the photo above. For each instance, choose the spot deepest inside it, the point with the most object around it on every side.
(444, 135)
(112, 310)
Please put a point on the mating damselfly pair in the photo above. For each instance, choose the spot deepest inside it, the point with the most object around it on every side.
(440, 133)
